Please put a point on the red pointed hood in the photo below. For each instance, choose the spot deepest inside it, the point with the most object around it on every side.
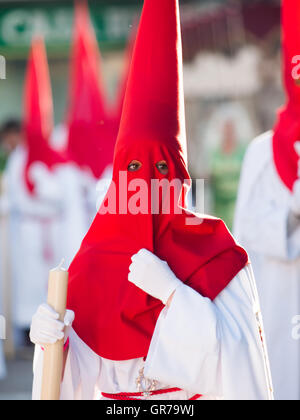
(38, 118)
(114, 317)
(89, 144)
(154, 102)
(287, 129)
(117, 108)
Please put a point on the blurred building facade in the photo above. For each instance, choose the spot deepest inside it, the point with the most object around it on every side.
(231, 62)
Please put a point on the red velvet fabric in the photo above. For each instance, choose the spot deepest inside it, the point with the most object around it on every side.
(113, 316)
(116, 109)
(90, 141)
(38, 112)
(287, 128)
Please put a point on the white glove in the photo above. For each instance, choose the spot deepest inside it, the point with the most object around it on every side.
(46, 327)
(153, 275)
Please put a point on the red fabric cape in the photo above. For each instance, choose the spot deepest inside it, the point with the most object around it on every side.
(113, 316)
(37, 124)
(92, 134)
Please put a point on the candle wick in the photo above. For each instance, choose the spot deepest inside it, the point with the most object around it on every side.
(61, 264)
(60, 267)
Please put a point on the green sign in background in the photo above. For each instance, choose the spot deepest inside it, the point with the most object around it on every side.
(19, 22)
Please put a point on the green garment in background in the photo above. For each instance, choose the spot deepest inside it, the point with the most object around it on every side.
(3, 158)
(225, 173)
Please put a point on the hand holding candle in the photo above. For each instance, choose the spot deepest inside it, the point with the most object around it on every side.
(53, 353)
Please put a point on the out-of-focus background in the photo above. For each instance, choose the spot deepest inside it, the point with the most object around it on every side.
(232, 78)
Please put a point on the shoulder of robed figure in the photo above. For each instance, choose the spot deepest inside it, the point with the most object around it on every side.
(199, 222)
(259, 151)
(258, 156)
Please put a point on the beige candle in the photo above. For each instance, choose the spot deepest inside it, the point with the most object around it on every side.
(53, 353)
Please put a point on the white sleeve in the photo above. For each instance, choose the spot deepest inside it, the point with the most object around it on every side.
(81, 372)
(212, 348)
(46, 185)
(46, 199)
(263, 207)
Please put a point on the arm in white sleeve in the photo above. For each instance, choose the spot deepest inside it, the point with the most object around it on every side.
(47, 188)
(81, 371)
(263, 215)
(212, 348)
(45, 202)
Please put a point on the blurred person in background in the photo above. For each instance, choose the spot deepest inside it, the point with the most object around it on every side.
(2, 360)
(47, 215)
(30, 221)
(267, 220)
(10, 138)
(226, 163)
(91, 125)
(11, 135)
(2, 279)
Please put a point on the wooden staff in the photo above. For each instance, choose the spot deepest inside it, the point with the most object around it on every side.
(53, 353)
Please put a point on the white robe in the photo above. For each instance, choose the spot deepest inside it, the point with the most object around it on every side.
(261, 226)
(32, 232)
(2, 361)
(66, 187)
(96, 190)
(202, 347)
(44, 228)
